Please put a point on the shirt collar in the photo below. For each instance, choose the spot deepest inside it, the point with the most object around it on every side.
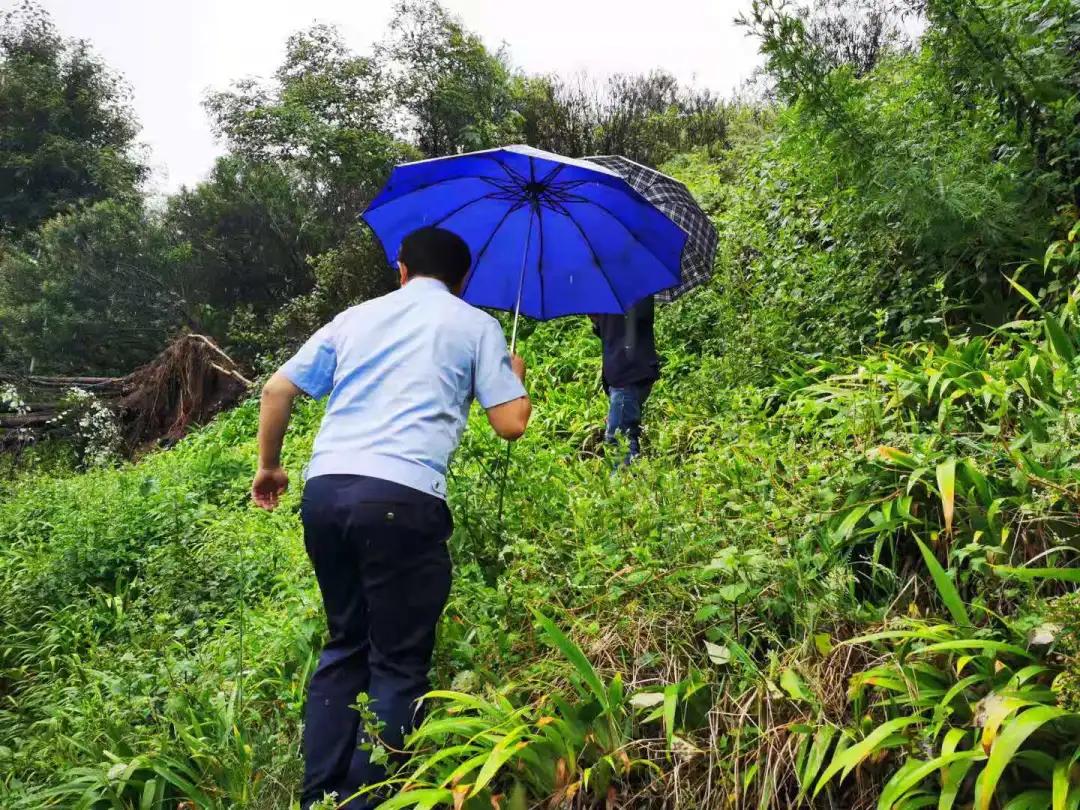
(426, 284)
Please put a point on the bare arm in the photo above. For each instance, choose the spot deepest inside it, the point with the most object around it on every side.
(274, 412)
(510, 419)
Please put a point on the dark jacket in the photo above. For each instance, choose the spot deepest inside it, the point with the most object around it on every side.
(629, 346)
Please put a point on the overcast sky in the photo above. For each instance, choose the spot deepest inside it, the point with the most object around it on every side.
(172, 51)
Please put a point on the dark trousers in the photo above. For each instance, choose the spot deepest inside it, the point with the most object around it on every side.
(624, 415)
(380, 556)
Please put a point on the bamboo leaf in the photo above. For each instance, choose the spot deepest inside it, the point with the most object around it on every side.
(793, 684)
(1061, 780)
(1024, 292)
(847, 759)
(412, 798)
(506, 748)
(903, 781)
(946, 478)
(1060, 342)
(946, 589)
(897, 456)
(575, 656)
(1029, 574)
(819, 749)
(977, 644)
(1029, 800)
(671, 694)
(991, 713)
(1005, 747)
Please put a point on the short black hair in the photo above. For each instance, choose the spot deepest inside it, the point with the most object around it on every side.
(436, 252)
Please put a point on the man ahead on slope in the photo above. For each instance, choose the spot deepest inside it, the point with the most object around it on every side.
(401, 372)
(630, 367)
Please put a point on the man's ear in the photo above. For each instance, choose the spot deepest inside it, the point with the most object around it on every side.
(403, 273)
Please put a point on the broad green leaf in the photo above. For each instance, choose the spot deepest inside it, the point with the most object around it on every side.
(897, 456)
(847, 525)
(977, 481)
(903, 781)
(941, 711)
(823, 643)
(991, 713)
(412, 798)
(946, 589)
(1024, 292)
(646, 700)
(149, 795)
(575, 656)
(464, 769)
(844, 761)
(1029, 800)
(1005, 747)
(451, 751)
(732, 593)
(946, 478)
(952, 777)
(1029, 574)
(891, 793)
(518, 798)
(977, 644)
(1061, 780)
(506, 748)
(671, 695)
(718, 654)
(463, 698)
(793, 684)
(1060, 342)
(819, 749)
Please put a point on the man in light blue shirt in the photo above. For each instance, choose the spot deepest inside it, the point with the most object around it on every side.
(401, 372)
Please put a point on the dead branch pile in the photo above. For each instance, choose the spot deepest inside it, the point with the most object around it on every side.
(184, 386)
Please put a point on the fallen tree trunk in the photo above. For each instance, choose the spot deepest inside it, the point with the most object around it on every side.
(186, 385)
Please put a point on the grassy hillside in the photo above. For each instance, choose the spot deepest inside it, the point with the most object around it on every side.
(799, 580)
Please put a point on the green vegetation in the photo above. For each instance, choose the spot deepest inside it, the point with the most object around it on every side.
(844, 575)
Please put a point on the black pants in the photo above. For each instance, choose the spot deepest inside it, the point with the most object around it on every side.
(379, 552)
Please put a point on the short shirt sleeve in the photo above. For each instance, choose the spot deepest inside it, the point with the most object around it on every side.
(312, 368)
(494, 381)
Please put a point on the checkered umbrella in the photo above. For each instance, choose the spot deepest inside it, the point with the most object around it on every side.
(676, 202)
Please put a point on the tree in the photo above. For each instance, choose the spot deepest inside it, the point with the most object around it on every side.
(275, 224)
(454, 93)
(646, 117)
(66, 131)
(858, 33)
(93, 292)
(323, 118)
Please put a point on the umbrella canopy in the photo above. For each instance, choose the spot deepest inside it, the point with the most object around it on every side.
(676, 201)
(550, 236)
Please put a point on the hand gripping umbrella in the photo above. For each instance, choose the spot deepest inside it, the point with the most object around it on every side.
(550, 236)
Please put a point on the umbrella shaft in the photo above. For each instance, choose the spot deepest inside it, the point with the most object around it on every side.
(521, 287)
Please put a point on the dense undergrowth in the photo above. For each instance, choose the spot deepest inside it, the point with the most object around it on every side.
(854, 570)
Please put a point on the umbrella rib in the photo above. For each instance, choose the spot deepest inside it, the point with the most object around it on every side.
(596, 258)
(511, 173)
(550, 176)
(634, 236)
(424, 187)
(460, 208)
(491, 236)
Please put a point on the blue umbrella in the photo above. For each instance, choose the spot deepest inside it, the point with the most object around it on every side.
(549, 235)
